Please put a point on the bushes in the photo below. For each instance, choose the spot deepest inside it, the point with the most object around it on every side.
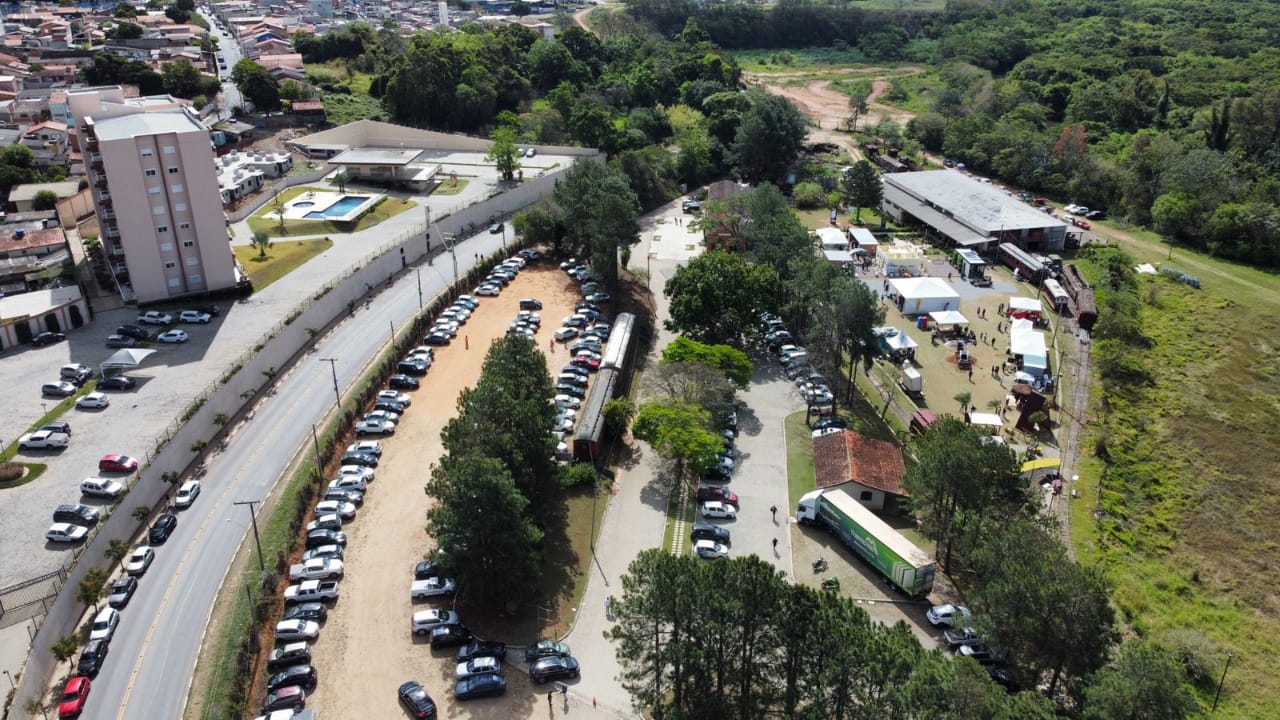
(809, 195)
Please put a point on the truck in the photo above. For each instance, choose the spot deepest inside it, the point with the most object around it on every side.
(904, 565)
(311, 591)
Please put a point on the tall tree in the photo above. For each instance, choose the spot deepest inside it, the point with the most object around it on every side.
(1145, 682)
(91, 587)
(256, 84)
(729, 360)
(769, 139)
(503, 153)
(600, 214)
(860, 187)
(678, 433)
(715, 296)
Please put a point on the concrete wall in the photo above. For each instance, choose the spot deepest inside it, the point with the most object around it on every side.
(285, 342)
(371, 133)
(72, 209)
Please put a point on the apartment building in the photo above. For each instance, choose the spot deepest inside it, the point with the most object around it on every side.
(155, 187)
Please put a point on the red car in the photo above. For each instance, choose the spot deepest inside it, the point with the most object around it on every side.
(117, 463)
(589, 362)
(74, 696)
(717, 493)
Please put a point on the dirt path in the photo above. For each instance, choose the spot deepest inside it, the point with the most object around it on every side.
(366, 649)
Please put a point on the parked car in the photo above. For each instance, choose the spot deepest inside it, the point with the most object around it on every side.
(117, 382)
(530, 304)
(344, 510)
(121, 341)
(416, 701)
(133, 331)
(479, 686)
(477, 648)
(295, 653)
(93, 401)
(173, 336)
(544, 648)
(983, 654)
(47, 338)
(716, 509)
(101, 487)
(75, 373)
(289, 630)
(104, 624)
(424, 621)
(375, 427)
(44, 440)
(162, 528)
(451, 635)
(483, 665)
(66, 533)
(948, 615)
(187, 494)
(303, 676)
(62, 388)
(355, 497)
(404, 399)
(715, 492)
(325, 522)
(121, 591)
(830, 422)
(706, 531)
(194, 316)
(139, 561)
(76, 514)
(488, 290)
(431, 587)
(401, 381)
(153, 317)
(554, 668)
(74, 695)
(961, 636)
(117, 463)
(359, 458)
(565, 334)
(313, 611)
(316, 538)
(213, 310)
(286, 698)
(92, 657)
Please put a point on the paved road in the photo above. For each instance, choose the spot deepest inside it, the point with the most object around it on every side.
(154, 653)
(230, 49)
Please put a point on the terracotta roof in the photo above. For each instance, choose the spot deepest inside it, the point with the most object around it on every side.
(847, 456)
(32, 239)
(307, 105)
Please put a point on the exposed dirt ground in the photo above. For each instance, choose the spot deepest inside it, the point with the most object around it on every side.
(366, 649)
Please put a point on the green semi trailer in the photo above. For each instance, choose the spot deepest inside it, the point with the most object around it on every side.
(906, 566)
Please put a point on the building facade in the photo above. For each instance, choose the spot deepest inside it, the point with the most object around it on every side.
(155, 187)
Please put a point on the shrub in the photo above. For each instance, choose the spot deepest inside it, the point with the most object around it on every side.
(809, 195)
(579, 475)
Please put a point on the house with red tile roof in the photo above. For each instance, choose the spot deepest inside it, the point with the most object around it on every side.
(870, 470)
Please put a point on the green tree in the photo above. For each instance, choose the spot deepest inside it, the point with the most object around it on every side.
(256, 85)
(962, 485)
(18, 156)
(618, 414)
(503, 152)
(117, 551)
(66, 647)
(769, 139)
(715, 296)
(124, 10)
(91, 587)
(482, 524)
(125, 31)
(44, 200)
(1145, 682)
(600, 215)
(181, 78)
(857, 108)
(292, 90)
(262, 241)
(774, 236)
(341, 178)
(861, 188)
(729, 360)
(177, 14)
(678, 433)
(809, 195)
(538, 226)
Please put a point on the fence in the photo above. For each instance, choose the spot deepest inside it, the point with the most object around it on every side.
(174, 450)
(281, 184)
(27, 599)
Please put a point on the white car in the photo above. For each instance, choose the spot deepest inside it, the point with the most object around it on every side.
(375, 427)
(467, 300)
(344, 510)
(384, 415)
(152, 317)
(483, 665)
(317, 569)
(101, 487)
(325, 522)
(565, 334)
(368, 447)
(139, 561)
(404, 399)
(488, 290)
(425, 620)
(43, 440)
(297, 630)
(173, 336)
(66, 533)
(194, 316)
(187, 494)
(104, 624)
(360, 471)
(710, 549)
(949, 615)
(716, 509)
(568, 401)
(431, 587)
(93, 400)
(348, 482)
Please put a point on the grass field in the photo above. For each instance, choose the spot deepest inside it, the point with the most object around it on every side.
(1188, 529)
(283, 258)
(341, 109)
(800, 474)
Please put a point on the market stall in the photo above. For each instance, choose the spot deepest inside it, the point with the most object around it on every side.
(923, 295)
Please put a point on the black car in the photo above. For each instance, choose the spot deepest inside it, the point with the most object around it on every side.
(478, 686)
(92, 656)
(76, 514)
(530, 304)
(316, 538)
(213, 310)
(717, 474)
(425, 570)
(403, 382)
(1004, 677)
(360, 458)
(298, 653)
(355, 497)
(544, 648)
(390, 406)
(410, 367)
(582, 305)
(304, 676)
(554, 668)
(133, 331)
(706, 531)
(59, 426)
(162, 528)
(495, 228)
(450, 635)
(121, 591)
(307, 611)
(565, 388)
(416, 700)
(117, 382)
(476, 648)
(830, 422)
(47, 338)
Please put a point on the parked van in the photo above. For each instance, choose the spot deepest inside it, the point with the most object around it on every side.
(910, 380)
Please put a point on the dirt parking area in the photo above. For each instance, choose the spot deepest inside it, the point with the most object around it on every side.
(366, 649)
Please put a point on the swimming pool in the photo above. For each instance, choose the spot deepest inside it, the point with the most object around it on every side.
(339, 209)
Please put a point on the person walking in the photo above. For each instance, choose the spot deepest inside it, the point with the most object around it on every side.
(775, 545)
(466, 342)
(774, 510)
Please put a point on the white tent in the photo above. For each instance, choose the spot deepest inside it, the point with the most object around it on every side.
(895, 342)
(949, 317)
(127, 358)
(923, 295)
(864, 239)
(838, 256)
(832, 239)
(1025, 305)
(1031, 346)
(991, 421)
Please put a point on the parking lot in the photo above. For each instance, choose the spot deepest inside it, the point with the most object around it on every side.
(366, 650)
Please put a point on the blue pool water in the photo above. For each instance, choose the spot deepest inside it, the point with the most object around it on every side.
(340, 208)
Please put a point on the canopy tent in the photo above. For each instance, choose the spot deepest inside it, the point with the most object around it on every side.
(991, 421)
(127, 358)
(949, 317)
(1029, 344)
(863, 238)
(838, 256)
(923, 295)
(1024, 307)
(832, 239)
(896, 343)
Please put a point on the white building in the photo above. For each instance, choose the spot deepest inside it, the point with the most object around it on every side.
(240, 174)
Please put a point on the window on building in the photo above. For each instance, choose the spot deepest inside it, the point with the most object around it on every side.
(149, 172)
(179, 207)
(177, 188)
(188, 243)
(170, 265)
(153, 191)
(157, 209)
(195, 278)
(169, 149)
(175, 282)
(166, 247)
(184, 226)
(173, 170)
(865, 496)
(147, 152)
(163, 229)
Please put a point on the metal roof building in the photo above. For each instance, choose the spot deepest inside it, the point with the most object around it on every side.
(962, 211)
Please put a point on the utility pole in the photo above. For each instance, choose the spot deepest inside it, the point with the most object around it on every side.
(256, 540)
(419, 272)
(315, 439)
(450, 241)
(333, 367)
(393, 332)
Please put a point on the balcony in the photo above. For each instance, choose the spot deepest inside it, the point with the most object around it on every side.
(117, 250)
(101, 184)
(112, 233)
(108, 215)
(95, 161)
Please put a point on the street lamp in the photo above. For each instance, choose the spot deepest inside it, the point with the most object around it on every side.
(256, 540)
(333, 367)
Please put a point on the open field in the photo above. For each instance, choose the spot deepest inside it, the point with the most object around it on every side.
(283, 258)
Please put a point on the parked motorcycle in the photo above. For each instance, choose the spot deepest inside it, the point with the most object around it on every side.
(831, 583)
(820, 565)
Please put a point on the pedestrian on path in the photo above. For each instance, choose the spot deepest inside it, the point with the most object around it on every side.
(466, 342)
(552, 345)
(775, 545)
(550, 694)
(564, 691)
(774, 510)
(971, 374)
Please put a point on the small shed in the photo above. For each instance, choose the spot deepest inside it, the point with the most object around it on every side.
(902, 259)
(923, 295)
(870, 470)
(972, 266)
(832, 239)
